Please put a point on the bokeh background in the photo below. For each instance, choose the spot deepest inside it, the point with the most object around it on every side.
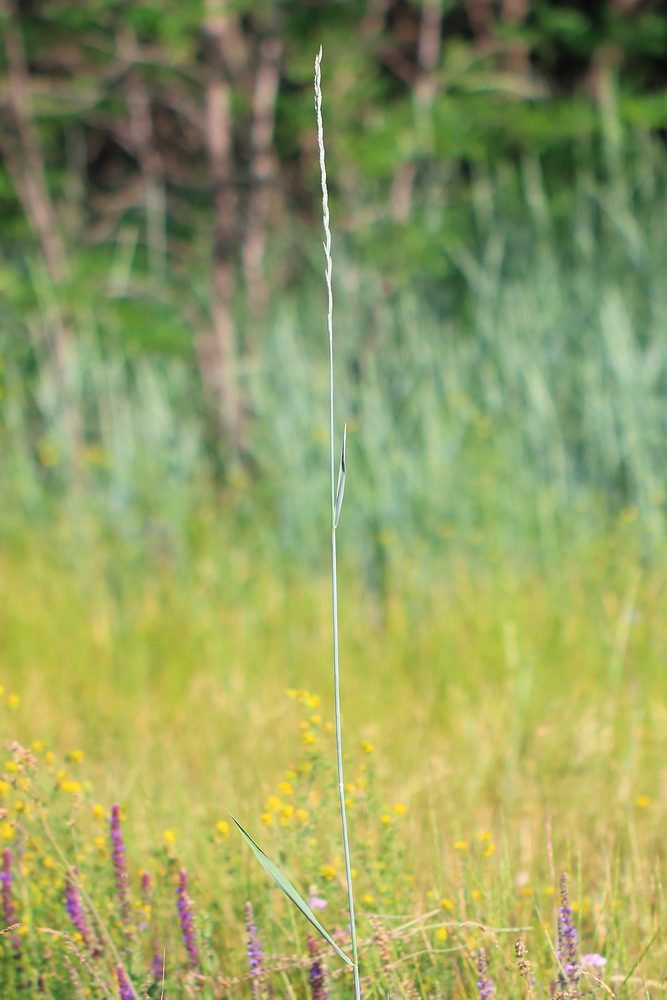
(498, 194)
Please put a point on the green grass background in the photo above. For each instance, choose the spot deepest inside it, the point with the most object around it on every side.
(502, 592)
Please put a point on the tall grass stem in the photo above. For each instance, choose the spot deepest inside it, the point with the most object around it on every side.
(334, 518)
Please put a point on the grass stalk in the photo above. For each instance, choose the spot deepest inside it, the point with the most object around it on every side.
(336, 498)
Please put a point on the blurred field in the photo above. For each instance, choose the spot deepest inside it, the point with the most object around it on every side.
(502, 603)
(524, 706)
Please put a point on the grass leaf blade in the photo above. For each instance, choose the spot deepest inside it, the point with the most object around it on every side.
(283, 883)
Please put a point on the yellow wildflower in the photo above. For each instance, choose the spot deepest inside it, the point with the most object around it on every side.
(2, 690)
(313, 701)
(446, 904)
(368, 899)
(13, 701)
(460, 845)
(267, 818)
(442, 933)
(367, 746)
(75, 756)
(99, 812)
(11, 766)
(302, 815)
(38, 746)
(290, 774)
(4, 789)
(50, 758)
(71, 787)
(386, 819)
(169, 837)
(489, 849)
(6, 831)
(223, 828)
(642, 801)
(316, 719)
(285, 788)
(273, 803)
(308, 738)
(328, 872)
(476, 894)
(287, 810)
(399, 809)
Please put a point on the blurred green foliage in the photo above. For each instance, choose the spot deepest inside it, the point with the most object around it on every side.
(497, 181)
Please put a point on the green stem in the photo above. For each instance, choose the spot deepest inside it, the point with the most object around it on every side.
(334, 567)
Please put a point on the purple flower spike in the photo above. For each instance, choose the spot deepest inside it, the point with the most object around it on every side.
(9, 916)
(255, 954)
(316, 974)
(158, 966)
(75, 907)
(146, 888)
(568, 941)
(484, 984)
(120, 864)
(187, 923)
(125, 991)
(8, 908)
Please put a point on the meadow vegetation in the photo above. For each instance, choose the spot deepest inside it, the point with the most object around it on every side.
(164, 594)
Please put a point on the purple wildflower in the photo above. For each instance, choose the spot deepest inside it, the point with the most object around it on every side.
(75, 907)
(316, 974)
(187, 923)
(9, 916)
(125, 991)
(157, 969)
(146, 888)
(484, 984)
(594, 961)
(317, 903)
(120, 864)
(568, 941)
(8, 908)
(255, 953)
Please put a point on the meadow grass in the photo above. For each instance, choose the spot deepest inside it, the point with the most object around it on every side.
(503, 594)
(517, 716)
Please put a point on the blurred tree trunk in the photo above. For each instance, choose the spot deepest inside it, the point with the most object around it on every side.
(480, 18)
(423, 96)
(217, 346)
(148, 158)
(25, 163)
(515, 13)
(262, 174)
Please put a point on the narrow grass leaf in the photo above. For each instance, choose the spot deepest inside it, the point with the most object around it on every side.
(283, 883)
(340, 487)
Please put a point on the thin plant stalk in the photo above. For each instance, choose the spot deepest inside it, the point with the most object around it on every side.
(336, 493)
